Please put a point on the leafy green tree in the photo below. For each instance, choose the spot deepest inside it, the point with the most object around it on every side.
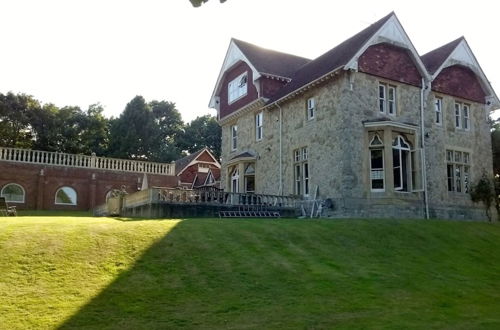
(204, 131)
(483, 191)
(495, 144)
(198, 3)
(44, 127)
(135, 134)
(95, 131)
(15, 129)
(70, 122)
(171, 128)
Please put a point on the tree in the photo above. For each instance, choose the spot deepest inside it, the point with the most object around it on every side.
(204, 131)
(95, 131)
(15, 129)
(483, 192)
(135, 133)
(170, 126)
(44, 127)
(198, 3)
(495, 144)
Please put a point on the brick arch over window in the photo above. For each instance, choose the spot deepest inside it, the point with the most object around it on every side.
(13, 193)
(390, 62)
(459, 81)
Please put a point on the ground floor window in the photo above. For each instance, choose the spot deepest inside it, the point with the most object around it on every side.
(13, 193)
(400, 159)
(235, 180)
(250, 178)
(66, 196)
(458, 170)
(394, 158)
(301, 171)
(377, 174)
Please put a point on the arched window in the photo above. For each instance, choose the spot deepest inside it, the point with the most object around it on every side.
(400, 161)
(66, 196)
(13, 193)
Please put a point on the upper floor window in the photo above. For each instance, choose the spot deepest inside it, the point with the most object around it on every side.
(259, 126)
(66, 196)
(387, 99)
(13, 193)
(234, 137)
(462, 116)
(438, 106)
(310, 108)
(458, 115)
(465, 118)
(237, 88)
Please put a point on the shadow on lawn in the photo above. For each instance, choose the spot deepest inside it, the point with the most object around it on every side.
(147, 295)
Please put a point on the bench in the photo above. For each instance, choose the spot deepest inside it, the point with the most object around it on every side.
(5, 209)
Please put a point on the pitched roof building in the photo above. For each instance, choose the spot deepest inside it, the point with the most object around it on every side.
(370, 124)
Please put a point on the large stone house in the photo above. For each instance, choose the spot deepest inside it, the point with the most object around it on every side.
(371, 125)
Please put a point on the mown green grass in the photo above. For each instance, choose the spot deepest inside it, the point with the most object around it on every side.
(103, 273)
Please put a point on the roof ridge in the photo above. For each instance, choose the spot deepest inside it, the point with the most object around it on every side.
(268, 49)
(331, 59)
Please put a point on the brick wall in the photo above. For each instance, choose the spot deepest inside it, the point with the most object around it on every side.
(41, 182)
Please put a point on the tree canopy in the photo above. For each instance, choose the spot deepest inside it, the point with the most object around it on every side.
(198, 3)
(151, 131)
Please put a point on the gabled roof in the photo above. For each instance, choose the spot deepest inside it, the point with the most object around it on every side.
(458, 52)
(331, 60)
(180, 164)
(184, 162)
(271, 61)
(435, 58)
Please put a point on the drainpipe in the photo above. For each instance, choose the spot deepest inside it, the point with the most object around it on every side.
(281, 150)
(422, 137)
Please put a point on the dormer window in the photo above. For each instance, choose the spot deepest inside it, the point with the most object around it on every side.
(237, 88)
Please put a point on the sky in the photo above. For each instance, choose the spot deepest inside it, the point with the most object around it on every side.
(81, 52)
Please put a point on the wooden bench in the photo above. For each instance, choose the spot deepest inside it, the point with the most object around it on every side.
(5, 209)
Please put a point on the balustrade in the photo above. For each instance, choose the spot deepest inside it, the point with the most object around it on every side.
(84, 161)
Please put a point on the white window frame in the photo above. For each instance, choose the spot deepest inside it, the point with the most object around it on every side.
(234, 137)
(438, 111)
(311, 108)
(301, 172)
(399, 148)
(62, 188)
(237, 88)
(259, 126)
(459, 163)
(13, 201)
(381, 98)
(235, 180)
(374, 146)
(466, 117)
(387, 99)
(458, 115)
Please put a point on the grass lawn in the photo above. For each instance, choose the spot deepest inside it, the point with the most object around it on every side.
(79, 272)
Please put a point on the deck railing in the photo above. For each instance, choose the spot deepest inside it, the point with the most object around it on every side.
(198, 196)
(84, 161)
(221, 197)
